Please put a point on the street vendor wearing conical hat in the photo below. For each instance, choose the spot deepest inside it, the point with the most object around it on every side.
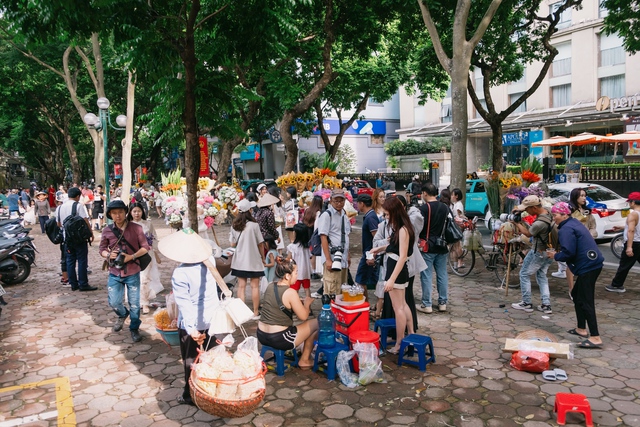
(196, 294)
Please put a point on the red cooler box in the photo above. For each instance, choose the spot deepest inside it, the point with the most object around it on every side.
(351, 317)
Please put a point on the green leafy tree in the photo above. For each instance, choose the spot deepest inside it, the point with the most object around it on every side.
(623, 18)
(517, 37)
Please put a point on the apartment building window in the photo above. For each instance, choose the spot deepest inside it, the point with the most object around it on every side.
(565, 17)
(446, 115)
(513, 98)
(374, 102)
(602, 10)
(611, 50)
(561, 95)
(561, 65)
(613, 86)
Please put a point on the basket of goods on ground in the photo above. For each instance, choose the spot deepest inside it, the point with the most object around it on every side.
(229, 385)
(167, 322)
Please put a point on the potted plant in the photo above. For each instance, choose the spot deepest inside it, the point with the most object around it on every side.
(394, 162)
(425, 164)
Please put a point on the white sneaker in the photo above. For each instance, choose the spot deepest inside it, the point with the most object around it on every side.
(442, 307)
(560, 274)
(424, 309)
(315, 295)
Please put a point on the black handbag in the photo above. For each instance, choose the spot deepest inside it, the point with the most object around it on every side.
(452, 233)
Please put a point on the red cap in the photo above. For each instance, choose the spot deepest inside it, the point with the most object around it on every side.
(635, 196)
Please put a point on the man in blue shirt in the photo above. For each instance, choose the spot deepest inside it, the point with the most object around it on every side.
(366, 275)
(24, 198)
(13, 201)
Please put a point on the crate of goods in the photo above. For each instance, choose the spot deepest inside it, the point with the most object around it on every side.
(351, 317)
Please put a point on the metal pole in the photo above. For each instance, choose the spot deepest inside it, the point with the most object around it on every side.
(103, 118)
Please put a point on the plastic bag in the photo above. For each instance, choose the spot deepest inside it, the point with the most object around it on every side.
(347, 377)
(467, 239)
(477, 241)
(370, 365)
(530, 361)
(172, 307)
(263, 286)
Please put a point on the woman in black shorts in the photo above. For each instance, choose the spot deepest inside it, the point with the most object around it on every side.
(97, 213)
(276, 328)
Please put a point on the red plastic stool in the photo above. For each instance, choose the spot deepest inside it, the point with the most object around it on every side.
(569, 402)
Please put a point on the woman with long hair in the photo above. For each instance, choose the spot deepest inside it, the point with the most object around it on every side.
(150, 284)
(378, 199)
(247, 264)
(579, 211)
(309, 218)
(398, 251)
(280, 302)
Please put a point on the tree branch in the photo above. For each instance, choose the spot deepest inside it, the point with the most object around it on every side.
(29, 54)
(210, 16)
(445, 61)
(484, 23)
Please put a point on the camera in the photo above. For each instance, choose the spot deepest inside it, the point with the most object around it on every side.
(337, 253)
(118, 262)
(515, 217)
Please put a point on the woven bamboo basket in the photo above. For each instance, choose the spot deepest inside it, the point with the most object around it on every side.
(227, 408)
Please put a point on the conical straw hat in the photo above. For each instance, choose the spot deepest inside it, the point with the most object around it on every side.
(185, 246)
(267, 200)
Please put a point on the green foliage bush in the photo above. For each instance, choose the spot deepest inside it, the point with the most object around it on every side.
(413, 146)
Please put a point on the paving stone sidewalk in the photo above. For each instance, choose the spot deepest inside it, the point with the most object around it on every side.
(60, 364)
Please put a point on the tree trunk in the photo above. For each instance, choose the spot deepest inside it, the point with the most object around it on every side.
(192, 150)
(225, 158)
(154, 158)
(73, 158)
(290, 145)
(128, 139)
(496, 145)
(460, 120)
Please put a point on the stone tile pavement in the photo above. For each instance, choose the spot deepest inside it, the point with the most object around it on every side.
(60, 364)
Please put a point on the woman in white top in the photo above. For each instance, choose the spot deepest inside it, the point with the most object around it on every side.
(150, 284)
(247, 263)
(457, 208)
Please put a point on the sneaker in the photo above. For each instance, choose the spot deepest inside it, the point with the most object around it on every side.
(523, 306)
(135, 335)
(442, 307)
(545, 308)
(315, 295)
(560, 274)
(619, 289)
(424, 309)
(570, 296)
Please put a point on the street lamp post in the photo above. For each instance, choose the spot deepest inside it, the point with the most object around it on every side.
(100, 123)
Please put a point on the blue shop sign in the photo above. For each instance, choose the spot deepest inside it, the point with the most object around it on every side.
(521, 138)
(359, 127)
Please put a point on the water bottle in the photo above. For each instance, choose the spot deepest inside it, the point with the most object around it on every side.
(326, 324)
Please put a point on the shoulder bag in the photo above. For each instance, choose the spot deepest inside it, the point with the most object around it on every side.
(452, 233)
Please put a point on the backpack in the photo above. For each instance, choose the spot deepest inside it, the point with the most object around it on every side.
(137, 196)
(54, 233)
(76, 230)
(315, 243)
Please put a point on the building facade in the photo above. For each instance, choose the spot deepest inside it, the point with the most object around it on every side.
(590, 87)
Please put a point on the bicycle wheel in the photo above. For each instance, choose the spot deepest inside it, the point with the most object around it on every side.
(617, 246)
(467, 258)
(501, 264)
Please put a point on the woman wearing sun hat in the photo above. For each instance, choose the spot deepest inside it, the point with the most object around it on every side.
(42, 209)
(195, 290)
(579, 250)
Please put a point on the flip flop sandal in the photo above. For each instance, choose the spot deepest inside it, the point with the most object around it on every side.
(574, 332)
(549, 375)
(561, 375)
(589, 344)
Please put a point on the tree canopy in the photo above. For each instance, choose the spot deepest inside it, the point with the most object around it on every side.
(623, 18)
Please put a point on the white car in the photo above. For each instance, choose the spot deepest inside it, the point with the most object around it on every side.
(614, 215)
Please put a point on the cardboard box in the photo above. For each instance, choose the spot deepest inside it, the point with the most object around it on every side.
(556, 350)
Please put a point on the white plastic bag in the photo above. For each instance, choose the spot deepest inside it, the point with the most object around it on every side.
(347, 377)
(370, 365)
(263, 286)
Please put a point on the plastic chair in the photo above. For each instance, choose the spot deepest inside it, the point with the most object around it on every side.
(280, 357)
(331, 356)
(385, 325)
(420, 343)
(569, 402)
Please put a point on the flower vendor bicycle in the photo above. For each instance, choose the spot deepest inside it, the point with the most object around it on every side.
(505, 245)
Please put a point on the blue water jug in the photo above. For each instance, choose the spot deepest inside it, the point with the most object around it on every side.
(326, 324)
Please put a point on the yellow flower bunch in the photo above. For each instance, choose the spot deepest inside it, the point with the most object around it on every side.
(205, 184)
(514, 181)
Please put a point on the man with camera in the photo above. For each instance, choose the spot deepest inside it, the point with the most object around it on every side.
(122, 243)
(545, 235)
(334, 229)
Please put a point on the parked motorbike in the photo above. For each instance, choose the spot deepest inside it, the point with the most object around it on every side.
(15, 266)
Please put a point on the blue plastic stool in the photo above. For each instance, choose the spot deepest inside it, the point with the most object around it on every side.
(420, 343)
(385, 325)
(280, 357)
(331, 356)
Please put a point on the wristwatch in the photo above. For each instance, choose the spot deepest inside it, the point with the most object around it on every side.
(133, 257)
